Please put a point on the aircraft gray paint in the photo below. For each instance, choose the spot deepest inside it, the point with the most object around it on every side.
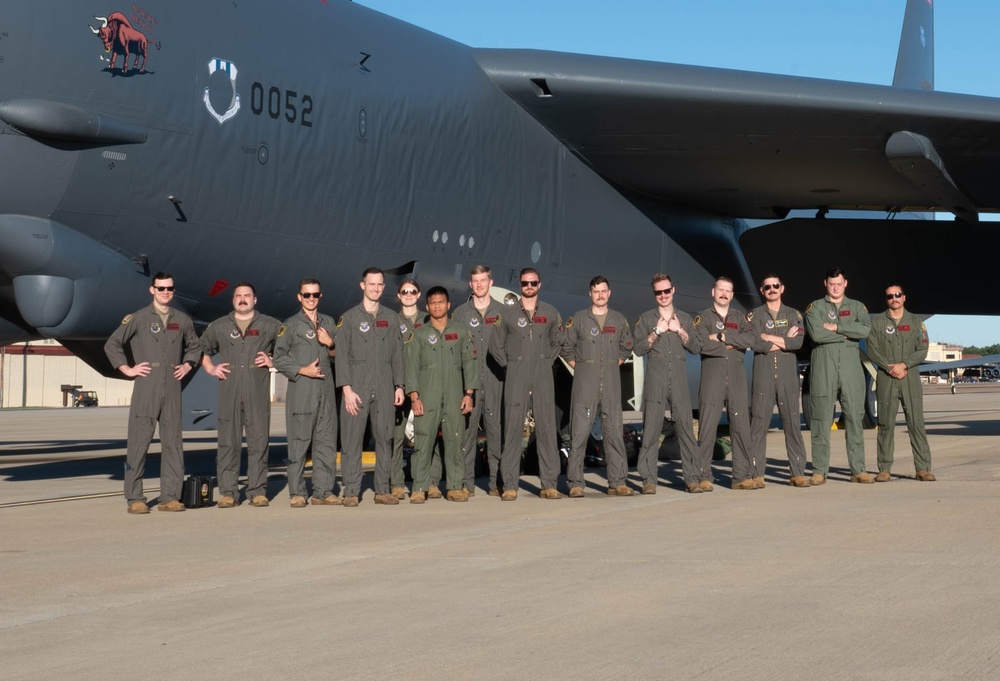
(232, 141)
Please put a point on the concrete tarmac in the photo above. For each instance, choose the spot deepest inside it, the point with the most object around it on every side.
(844, 581)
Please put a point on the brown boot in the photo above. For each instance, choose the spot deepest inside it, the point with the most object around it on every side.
(648, 488)
(706, 485)
(550, 493)
(418, 497)
(862, 477)
(433, 492)
(399, 492)
(226, 502)
(817, 479)
(351, 502)
(800, 481)
(576, 493)
(386, 500)
(173, 506)
(138, 508)
(298, 502)
(458, 495)
(259, 501)
(494, 492)
(508, 495)
(758, 482)
(620, 491)
(327, 501)
(744, 484)
(926, 476)
(694, 488)
(883, 476)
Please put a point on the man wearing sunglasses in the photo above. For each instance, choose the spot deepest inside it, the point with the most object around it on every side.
(165, 348)
(897, 345)
(722, 337)
(778, 332)
(244, 340)
(835, 324)
(526, 340)
(597, 340)
(479, 314)
(663, 335)
(369, 365)
(303, 353)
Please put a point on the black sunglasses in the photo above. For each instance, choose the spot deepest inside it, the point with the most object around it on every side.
(310, 294)
(409, 292)
(663, 291)
(770, 287)
(530, 283)
(164, 288)
(890, 296)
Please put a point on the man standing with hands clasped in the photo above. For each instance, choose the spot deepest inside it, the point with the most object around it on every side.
(302, 354)
(663, 335)
(244, 340)
(897, 345)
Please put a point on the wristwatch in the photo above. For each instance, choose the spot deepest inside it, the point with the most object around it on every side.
(657, 331)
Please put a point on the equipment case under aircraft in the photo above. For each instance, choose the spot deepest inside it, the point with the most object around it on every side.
(197, 491)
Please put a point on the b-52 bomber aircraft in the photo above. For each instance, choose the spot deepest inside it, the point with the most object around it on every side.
(262, 141)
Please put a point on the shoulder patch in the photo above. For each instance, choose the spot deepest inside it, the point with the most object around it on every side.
(569, 323)
(340, 321)
(281, 331)
(126, 319)
(697, 320)
(809, 307)
(750, 316)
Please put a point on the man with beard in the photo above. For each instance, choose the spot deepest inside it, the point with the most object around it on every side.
(244, 340)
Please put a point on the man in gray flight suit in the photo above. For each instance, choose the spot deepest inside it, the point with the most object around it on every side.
(479, 315)
(778, 332)
(897, 345)
(441, 377)
(596, 341)
(835, 324)
(722, 336)
(302, 353)
(663, 335)
(165, 349)
(526, 340)
(244, 340)
(370, 368)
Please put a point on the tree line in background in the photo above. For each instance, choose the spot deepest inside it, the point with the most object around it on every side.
(985, 350)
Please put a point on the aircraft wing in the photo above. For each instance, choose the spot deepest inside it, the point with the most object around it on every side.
(934, 367)
(755, 145)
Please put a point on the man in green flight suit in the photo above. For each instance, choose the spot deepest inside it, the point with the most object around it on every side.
(442, 373)
(835, 324)
(165, 349)
(244, 340)
(897, 345)
(302, 354)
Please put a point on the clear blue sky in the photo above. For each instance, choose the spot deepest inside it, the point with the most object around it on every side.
(853, 40)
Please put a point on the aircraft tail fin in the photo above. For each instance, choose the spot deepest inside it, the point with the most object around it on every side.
(915, 60)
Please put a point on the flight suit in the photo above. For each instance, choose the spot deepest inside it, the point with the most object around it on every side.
(892, 342)
(489, 392)
(597, 349)
(244, 399)
(723, 381)
(397, 475)
(835, 368)
(776, 377)
(666, 385)
(310, 405)
(370, 360)
(440, 367)
(157, 397)
(526, 345)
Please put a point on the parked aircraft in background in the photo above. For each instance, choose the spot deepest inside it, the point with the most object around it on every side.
(231, 141)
